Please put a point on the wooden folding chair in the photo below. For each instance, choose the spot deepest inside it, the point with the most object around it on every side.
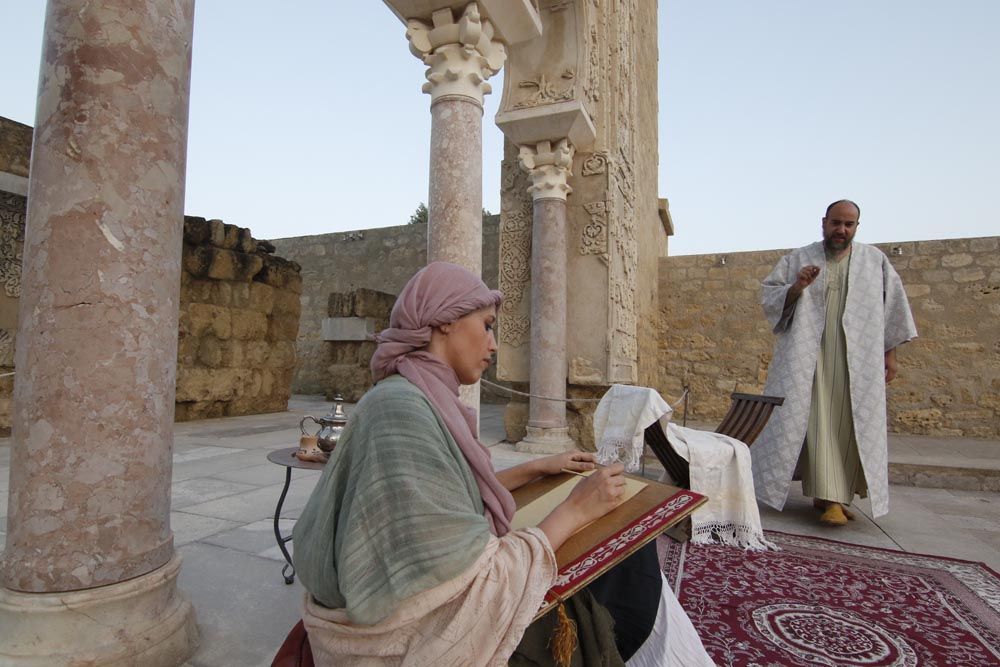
(747, 416)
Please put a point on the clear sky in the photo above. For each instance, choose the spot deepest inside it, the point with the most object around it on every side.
(307, 116)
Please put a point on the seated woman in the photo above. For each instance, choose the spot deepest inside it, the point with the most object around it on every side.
(405, 545)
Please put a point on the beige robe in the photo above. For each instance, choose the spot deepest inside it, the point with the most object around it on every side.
(477, 618)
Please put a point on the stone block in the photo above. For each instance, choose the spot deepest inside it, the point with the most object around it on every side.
(281, 273)
(341, 304)
(196, 231)
(231, 265)
(248, 325)
(240, 294)
(217, 233)
(924, 262)
(282, 355)
(986, 244)
(968, 275)
(347, 328)
(206, 318)
(196, 260)
(187, 349)
(231, 237)
(210, 352)
(246, 242)
(208, 384)
(374, 304)
(282, 327)
(261, 297)
(255, 353)
(914, 291)
(287, 302)
(956, 260)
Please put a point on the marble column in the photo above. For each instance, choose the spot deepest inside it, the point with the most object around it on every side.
(460, 56)
(89, 572)
(549, 168)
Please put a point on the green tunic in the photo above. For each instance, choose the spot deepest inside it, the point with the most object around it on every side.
(831, 466)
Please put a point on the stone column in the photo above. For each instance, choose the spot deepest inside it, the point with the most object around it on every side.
(89, 572)
(460, 56)
(549, 168)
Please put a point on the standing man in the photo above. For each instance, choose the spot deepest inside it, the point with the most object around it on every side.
(839, 311)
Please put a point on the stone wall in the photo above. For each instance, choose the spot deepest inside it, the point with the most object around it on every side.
(347, 364)
(714, 336)
(239, 316)
(381, 260)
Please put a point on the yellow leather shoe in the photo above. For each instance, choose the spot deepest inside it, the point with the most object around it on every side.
(834, 515)
(821, 504)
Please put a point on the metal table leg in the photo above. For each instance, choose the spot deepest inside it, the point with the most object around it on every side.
(289, 566)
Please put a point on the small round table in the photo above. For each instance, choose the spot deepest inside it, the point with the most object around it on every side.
(286, 457)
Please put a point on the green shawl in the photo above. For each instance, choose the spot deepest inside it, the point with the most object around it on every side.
(395, 512)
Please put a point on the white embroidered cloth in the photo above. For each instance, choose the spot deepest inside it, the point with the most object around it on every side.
(720, 469)
(720, 465)
(619, 421)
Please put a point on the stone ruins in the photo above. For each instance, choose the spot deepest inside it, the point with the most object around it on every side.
(118, 314)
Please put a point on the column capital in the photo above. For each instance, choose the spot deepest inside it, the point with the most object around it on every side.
(549, 167)
(460, 55)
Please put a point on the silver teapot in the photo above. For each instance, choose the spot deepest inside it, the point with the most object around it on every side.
(331, 425)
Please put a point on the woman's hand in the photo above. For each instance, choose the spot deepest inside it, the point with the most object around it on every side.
(590, 499)
(574, 461)
(519, 475)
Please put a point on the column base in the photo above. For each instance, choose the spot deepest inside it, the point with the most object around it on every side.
(143, 622)
(546, 441)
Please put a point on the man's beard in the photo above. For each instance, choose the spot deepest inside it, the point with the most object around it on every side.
(836, 244)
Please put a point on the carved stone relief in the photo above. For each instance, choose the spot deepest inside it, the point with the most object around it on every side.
(515, 254)
(597, 163)
(545, 91)
(595, 61)
(594, 236)
(12, 215)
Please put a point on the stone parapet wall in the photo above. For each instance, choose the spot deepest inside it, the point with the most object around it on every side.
(239, 316)
(347, 369)
(380, 260)
(715, 339)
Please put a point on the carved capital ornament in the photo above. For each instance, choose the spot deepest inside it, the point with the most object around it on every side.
(460, 55)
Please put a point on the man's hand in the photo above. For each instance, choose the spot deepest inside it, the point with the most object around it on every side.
(806, 276)
(803, 279)
(575, 461)
(890, 365)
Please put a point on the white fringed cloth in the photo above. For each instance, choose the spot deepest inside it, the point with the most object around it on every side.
(720, 465)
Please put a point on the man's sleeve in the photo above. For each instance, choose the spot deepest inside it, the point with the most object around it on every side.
(899, 325)
(773, 291)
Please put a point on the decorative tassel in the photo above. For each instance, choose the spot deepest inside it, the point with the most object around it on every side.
(563, 641)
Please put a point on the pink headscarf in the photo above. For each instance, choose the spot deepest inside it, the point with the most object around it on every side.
(441, 293)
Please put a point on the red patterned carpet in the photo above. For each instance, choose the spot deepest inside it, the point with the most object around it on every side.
(820, 602)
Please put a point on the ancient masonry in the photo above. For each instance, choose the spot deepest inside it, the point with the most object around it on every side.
(239, 316)
(714, 338)
(239, 306)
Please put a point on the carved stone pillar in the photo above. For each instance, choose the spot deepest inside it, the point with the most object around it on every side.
(89, 572)
(460, 56)
(549, 168)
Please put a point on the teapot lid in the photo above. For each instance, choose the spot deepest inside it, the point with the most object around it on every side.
(336, 414)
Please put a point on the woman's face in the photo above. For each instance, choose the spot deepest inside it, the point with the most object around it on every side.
(467, 344)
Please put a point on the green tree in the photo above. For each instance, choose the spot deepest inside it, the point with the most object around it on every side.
(419, 216)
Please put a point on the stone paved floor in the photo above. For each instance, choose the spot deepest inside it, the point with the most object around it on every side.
(225, 492)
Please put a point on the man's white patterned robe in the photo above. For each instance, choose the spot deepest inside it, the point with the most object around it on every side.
(876, 318)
